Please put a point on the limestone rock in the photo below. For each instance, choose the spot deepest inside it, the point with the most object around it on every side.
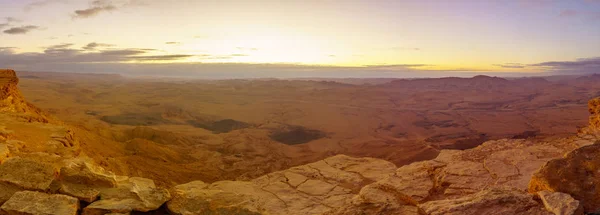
(82, 192)
(560, 203)
(28, 174)
(594, 108)
(223, 197)
(36, 203)
(313, 188)
(134, 194)
(490, 202)
(11, 99)
(7, 190)
(577, 174)
(83, 179)
(4, 152)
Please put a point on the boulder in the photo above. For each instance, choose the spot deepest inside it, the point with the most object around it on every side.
(489, 202)
(560, 203)
(37, 203)
(577, 174)
(83, 179)
(133, 194)
(27, 174)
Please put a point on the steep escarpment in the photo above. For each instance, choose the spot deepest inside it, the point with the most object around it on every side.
(11, 99)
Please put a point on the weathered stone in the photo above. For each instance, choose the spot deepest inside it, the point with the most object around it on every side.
(36, 203)
(83, 179)
(594, 108)
(135, 194)
(81, 171)
(560, 203)
(7, 190)
(82, 192)
(224, 197)
(577, 174)
(28, 174)
(313, 188)
(489, 202)
(4, 152)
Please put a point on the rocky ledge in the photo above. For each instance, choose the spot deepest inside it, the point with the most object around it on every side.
(11, 99)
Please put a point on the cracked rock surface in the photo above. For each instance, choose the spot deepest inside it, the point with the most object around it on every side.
(308, 189)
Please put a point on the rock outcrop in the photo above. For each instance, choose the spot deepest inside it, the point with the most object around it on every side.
(577, 174)
(492, 202)
(11, 99)
(132, 194)
(594, 108)
(313, 188)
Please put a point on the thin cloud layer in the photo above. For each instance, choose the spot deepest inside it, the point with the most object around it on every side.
(94, 45)
(95, 8)
(66, 54)
(582, 65)
(21, 30)
(511, 65)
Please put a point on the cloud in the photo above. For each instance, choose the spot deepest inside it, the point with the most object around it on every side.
(21, 30)
(511, 65)
(12, 19)
(93, 11)
(60, 46)
(123, 52)
(95, 8)
(9, 20)
(582, 65)
(65, 54)
(568, 13)
(9, 49)
(94, 45)
(396, 66)
(172, 43)
(99, 6)
(160, 57)
(43, 3)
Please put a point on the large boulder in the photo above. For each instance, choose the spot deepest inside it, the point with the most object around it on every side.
(37, 203)
(27, 174)
(489, 202)
(83, 179)
(132, 194)
(577, 174)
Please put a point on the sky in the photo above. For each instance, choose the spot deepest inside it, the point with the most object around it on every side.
(308, 38)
